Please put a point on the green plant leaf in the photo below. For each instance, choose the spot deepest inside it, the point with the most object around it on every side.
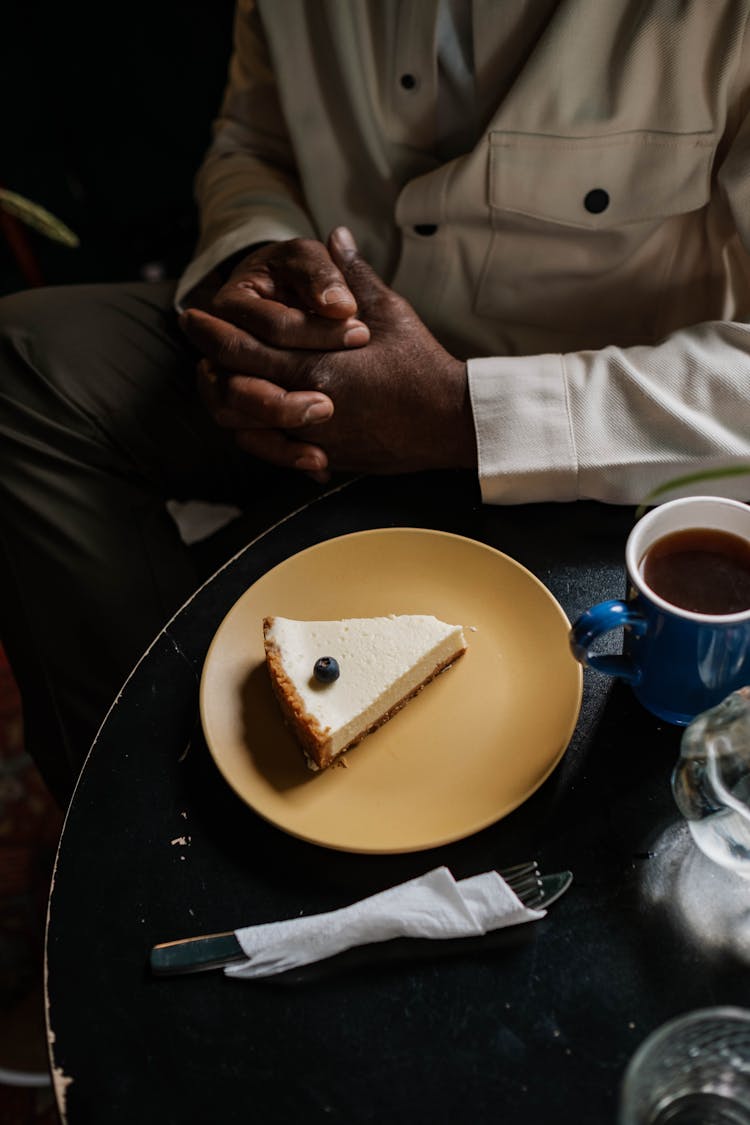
(37, 217)
(689, 478)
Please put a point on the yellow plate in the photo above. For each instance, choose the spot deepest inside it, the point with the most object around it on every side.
(479, 739)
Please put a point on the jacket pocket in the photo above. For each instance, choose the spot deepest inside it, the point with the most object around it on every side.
(582, 227)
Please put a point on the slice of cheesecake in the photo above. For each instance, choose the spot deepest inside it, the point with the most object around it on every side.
(337, 681)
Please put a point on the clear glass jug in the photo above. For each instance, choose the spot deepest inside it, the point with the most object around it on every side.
(711, 781)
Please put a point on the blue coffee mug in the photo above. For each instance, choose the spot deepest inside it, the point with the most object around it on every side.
(678, 662)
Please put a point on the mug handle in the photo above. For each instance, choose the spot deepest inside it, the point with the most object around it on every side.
(595, 622)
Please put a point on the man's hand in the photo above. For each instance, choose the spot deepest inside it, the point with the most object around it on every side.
(288, 294)
(401, 403)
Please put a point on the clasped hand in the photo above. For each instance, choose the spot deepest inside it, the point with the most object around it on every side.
(314, 363)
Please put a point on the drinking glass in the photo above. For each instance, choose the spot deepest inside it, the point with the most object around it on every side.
(711, 781)
(694, 1070)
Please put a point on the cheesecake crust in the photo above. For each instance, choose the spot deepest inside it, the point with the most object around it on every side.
(315, 740)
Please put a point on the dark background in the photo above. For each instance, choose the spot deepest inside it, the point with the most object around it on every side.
(107, 114)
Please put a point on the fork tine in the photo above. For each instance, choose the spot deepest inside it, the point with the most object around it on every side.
(524, 880)
(521, 873)
(529, 896)
(518, 869)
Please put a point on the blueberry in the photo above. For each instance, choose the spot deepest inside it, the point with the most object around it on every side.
(326, 669)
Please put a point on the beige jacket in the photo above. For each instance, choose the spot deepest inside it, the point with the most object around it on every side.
(609, 349)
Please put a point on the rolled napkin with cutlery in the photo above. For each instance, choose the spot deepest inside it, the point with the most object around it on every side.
(434, 905)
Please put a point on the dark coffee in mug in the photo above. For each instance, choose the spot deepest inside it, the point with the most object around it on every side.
(700, 569)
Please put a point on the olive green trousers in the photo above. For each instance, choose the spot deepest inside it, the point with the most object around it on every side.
(100, 425)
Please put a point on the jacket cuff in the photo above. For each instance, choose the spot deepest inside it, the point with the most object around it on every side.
(525, 445)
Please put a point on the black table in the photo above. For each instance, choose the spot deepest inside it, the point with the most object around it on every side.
(536, 1028)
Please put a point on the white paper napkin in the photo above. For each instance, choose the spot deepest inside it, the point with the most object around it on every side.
(432, 906)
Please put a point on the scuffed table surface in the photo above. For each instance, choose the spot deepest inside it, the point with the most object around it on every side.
(534, 1029)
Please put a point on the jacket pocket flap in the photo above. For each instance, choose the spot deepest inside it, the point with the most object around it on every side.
(600, 181)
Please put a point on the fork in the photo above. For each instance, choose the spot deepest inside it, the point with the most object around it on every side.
(534, 889)
(525, 880)
(213, 951)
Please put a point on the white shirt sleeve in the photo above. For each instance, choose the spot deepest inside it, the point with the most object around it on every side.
(614, 424)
